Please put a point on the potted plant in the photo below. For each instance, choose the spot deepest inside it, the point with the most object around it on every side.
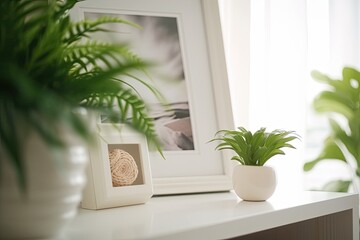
(51, 74)
(340, 101)
(251, 179)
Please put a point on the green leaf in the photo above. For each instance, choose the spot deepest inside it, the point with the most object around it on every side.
(320, 76)
(330, 151)
(237, 158)
(331, 102)
(337, 186)
(270, 154)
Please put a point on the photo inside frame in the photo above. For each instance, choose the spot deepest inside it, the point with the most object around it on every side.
(125, 164)
(158, 40)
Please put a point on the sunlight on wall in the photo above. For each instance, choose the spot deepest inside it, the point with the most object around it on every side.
(277, 78)
(283, 40)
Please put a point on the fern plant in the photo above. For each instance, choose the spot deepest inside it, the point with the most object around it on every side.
(50, 66)
(257, 148)
(341, 103)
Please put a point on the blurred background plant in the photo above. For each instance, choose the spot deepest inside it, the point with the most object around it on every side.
(341, 103)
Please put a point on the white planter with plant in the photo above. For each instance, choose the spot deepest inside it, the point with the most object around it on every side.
(251, 179)
(51, 71)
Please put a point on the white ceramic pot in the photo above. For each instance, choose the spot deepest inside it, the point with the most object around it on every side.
(55, 180)
(254, 183)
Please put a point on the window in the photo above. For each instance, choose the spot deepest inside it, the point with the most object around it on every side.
(272, 45)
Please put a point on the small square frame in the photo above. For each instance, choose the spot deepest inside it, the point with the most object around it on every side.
(100, 191)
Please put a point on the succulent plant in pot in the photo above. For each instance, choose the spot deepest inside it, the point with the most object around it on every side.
(251, 179)
(51, 73)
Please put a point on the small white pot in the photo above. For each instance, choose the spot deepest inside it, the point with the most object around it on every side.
(254, 183)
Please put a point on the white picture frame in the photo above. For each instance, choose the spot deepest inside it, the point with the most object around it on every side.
(201, 169)
(101, 190)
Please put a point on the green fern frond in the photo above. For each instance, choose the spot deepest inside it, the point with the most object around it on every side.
(49, 67)
(83, 57)
(62, 7)
(83, 29)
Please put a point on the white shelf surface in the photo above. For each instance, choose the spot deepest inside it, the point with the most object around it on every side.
(208, 216)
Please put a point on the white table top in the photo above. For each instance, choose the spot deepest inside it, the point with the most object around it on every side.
(206, 216)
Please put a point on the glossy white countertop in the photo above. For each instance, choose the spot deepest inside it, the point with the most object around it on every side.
(206, 216)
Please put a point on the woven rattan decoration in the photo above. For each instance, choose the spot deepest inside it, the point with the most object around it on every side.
(124, 170)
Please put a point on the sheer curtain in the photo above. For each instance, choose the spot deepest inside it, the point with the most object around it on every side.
(271, 46)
